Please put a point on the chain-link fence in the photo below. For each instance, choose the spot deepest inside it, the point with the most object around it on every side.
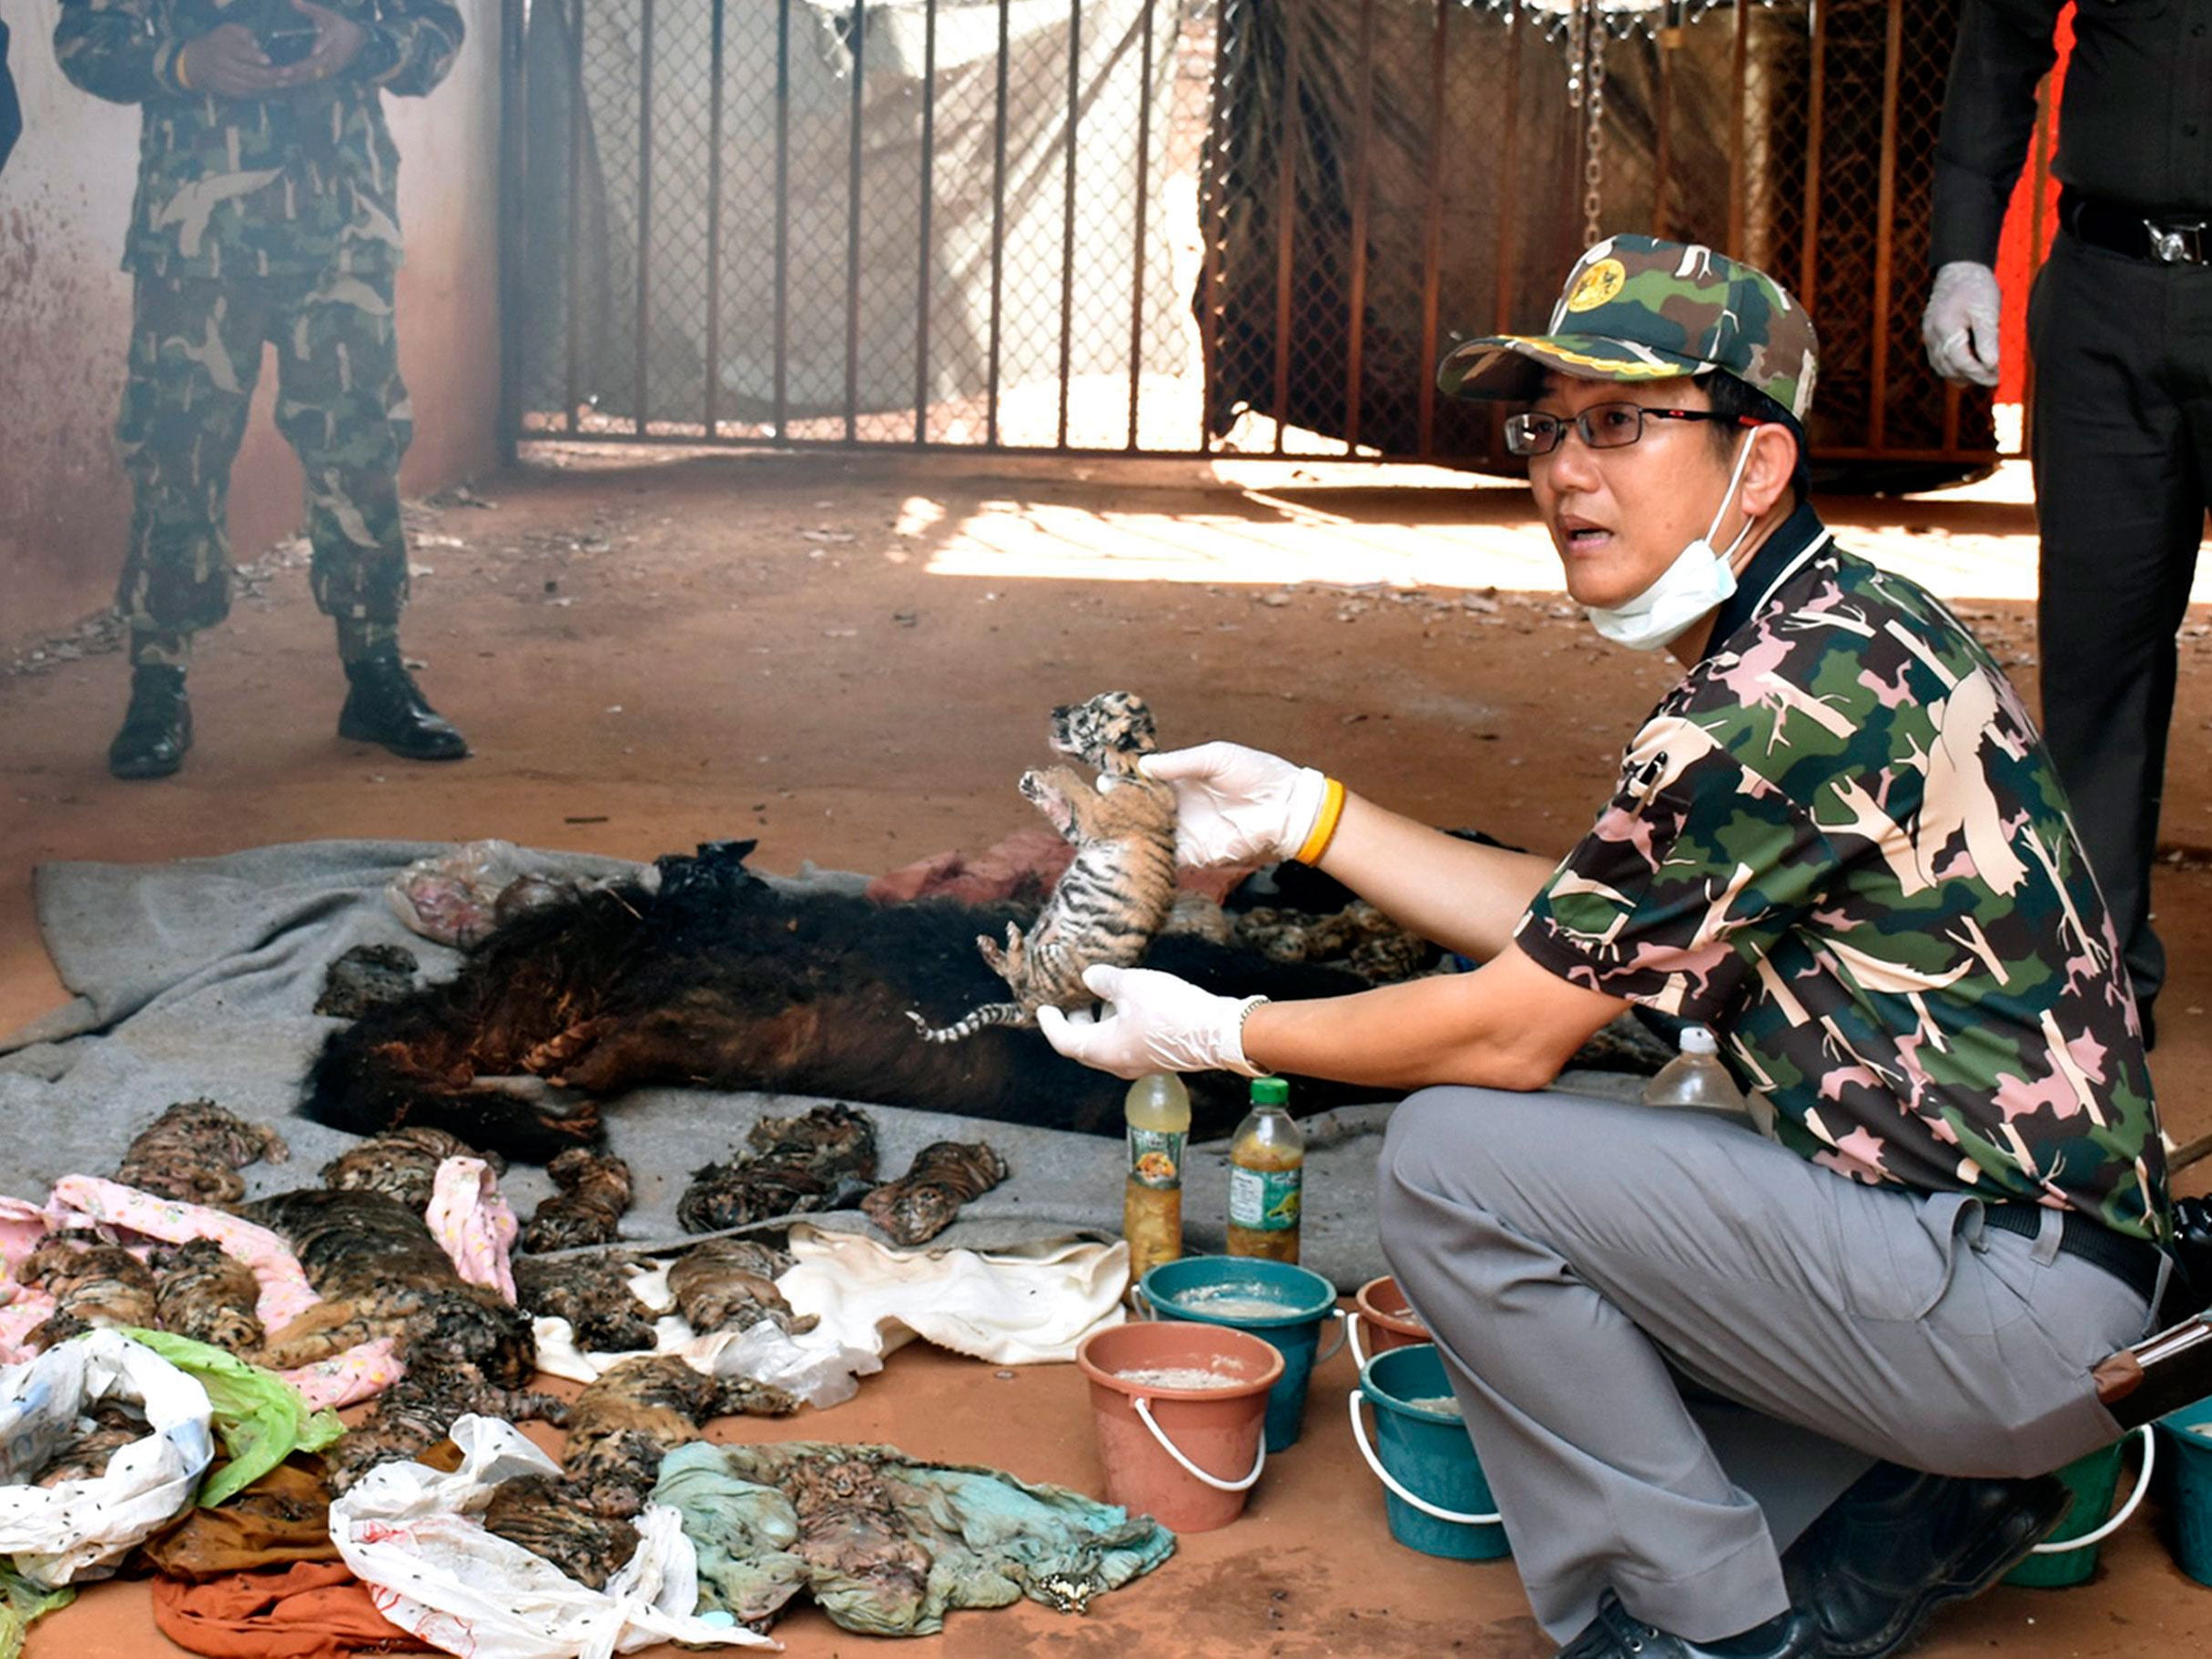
(1181, 226)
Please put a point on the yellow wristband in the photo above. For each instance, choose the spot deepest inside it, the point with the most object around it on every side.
(177, 70)
(1325, 826)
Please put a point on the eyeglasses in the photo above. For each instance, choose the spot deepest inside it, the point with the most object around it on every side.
(1603, 426)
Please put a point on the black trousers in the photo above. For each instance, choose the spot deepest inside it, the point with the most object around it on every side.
(2123, 454)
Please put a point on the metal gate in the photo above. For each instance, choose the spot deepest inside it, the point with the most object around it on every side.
(1163, 228)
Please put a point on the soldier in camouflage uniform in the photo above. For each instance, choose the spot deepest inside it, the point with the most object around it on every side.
(1683, 1348)
(267, 211)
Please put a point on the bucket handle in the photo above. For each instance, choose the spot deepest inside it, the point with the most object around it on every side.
(1359, 1433)
(1344, 1334)
(1359, 1355)
(1144, 1410)
(2061, 1546)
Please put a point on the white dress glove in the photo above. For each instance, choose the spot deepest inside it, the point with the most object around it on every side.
(1959, 326)
(1154, 1021)
(1237, 805)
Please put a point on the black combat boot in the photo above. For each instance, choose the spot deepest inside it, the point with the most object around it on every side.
(1900, 1544)
(385, 707)
(156, 727)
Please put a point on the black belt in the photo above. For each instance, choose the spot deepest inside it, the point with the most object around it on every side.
(2133, 1261)
(2164, 238)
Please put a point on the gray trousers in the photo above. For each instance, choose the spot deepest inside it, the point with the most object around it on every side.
(1676, 1342)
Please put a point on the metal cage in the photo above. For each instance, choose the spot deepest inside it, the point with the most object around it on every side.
(1160, 228)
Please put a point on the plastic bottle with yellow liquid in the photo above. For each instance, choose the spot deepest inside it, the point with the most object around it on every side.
(1266, 1172)
(1158, 1109)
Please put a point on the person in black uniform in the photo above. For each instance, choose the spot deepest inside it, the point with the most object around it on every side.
(2120, 325)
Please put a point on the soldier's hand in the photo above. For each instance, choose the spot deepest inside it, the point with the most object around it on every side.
(229, 63)
(338, 42)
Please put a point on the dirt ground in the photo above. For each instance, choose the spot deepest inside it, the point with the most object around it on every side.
(851, 659)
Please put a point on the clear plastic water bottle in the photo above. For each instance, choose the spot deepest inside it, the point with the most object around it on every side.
(1696, 1078)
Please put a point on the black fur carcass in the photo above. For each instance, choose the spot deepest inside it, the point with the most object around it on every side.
(719, 979)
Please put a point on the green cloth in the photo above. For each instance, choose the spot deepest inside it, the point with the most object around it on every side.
(261, 1419)
(22, 1604)
(897, 1543)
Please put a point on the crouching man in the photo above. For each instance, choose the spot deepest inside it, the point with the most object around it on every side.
(1736, 1395)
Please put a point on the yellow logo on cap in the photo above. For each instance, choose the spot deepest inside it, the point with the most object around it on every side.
(1597, 285)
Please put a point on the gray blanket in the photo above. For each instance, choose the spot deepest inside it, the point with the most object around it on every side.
(197, 978)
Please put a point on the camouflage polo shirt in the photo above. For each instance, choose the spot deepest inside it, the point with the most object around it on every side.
(1839, 841)
(306, 184)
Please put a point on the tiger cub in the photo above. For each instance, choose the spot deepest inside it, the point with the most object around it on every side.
(1117, 892)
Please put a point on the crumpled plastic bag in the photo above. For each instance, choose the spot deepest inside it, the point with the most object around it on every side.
(409, 1532)
(816, 1367)
(458, 897)
(80, 1529)
(1014, 1307)
(260, 1417)
(450, 898)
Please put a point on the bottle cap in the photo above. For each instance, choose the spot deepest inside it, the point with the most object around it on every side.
(1698, 1039)
(1270, 1091)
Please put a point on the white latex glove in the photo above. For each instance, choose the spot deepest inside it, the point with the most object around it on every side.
(1237, 805)
(1959, 326)
(1154, 1021)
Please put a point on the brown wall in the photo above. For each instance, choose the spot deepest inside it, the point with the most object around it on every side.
(64, 313)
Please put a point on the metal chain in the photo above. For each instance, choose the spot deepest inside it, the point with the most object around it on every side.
(1593, 132)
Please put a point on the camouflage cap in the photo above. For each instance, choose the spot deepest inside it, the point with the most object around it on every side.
(1636, 308)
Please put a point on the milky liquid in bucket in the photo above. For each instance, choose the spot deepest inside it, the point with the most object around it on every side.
(1230, 1302)
(1444, 1405)
(1176, 1376)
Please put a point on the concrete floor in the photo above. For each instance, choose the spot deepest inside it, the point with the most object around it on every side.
(851, 660)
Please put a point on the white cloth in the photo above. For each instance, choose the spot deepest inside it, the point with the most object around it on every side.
(410, 1533)
(815, 1366)
(1013, 1307)
(80, 1529)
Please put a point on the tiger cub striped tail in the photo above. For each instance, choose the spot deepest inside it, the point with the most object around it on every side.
(975, 1020)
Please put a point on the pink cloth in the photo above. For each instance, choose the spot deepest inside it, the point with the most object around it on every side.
(82, 1203)
(473, 1224)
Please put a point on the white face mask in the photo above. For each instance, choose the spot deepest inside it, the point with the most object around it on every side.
(1698, 580)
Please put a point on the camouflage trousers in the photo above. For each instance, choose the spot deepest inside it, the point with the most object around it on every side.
(195, 358)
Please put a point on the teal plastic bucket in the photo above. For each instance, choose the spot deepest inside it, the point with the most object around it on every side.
(1277, 1301)
(2068, 1556)
(1434, 1491)
(2188, 1438)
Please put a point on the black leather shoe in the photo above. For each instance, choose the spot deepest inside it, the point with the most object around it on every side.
(1617, 1633)
(385, 707)
(156, 727)
(1890, 1552)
